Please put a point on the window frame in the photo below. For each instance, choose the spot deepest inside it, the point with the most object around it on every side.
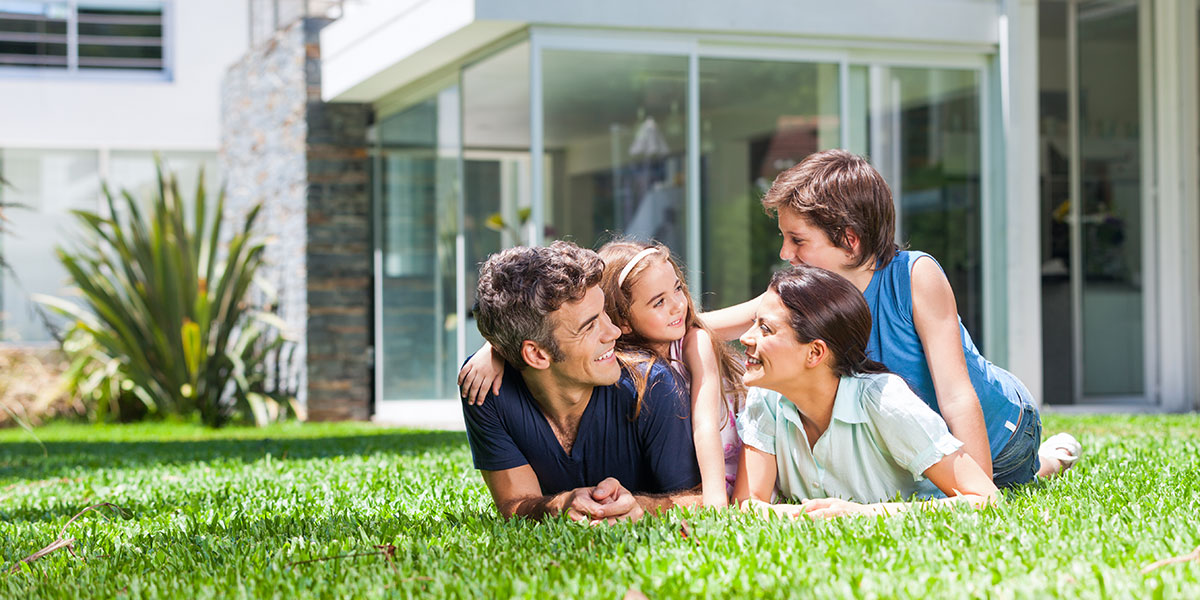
(73, 71)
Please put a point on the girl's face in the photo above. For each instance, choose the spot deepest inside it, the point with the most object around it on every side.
(774, 357)
(805, 244)
(659, 305)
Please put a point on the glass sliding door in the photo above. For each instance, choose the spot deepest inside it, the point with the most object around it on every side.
(615, 142)
(417, 180)
(757, 118)
(496, 166)
(1093, 279)
(924, 136)
(1108, 232)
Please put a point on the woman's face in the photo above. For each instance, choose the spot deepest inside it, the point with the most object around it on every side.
(774, 357)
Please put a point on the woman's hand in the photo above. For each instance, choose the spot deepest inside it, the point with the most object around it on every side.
(766, 509)
(483, 373)
(824, 508)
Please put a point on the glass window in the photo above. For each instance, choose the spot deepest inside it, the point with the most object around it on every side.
(1110, 215)
(925, 140)
(496, 163)
(1092, 263)
(110, 35)
(47, 184)
(757, 119)
(120, 37)
(34, 34)
(416, 173)
(1058, 326)
(134, 171)
(615, 146)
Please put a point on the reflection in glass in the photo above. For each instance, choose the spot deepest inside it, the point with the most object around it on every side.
(1110, 224)
(1058, 348)
(615, 144)
(926, 141)
(417, 172)
(1092, 298)
(757, 118)
(496, 164)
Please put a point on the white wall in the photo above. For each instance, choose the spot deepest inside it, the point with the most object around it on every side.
(382, 45)
(58, 110)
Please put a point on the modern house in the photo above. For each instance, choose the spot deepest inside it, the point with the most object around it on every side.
(89, 92)
(1045, 151)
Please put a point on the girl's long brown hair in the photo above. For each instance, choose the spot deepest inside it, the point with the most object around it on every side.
(633, 351)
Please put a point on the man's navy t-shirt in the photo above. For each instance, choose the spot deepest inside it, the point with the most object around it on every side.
(653, 453)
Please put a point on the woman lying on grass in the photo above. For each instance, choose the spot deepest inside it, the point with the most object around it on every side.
(823, 421)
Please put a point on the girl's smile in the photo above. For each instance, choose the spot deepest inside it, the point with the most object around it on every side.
(658, 313)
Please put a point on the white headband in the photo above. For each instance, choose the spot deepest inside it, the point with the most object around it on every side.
(633, 261)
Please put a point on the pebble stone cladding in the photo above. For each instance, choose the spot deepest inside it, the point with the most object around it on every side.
(306, 160)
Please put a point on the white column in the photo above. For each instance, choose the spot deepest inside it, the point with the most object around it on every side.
(1019, 135)
(1178, 216)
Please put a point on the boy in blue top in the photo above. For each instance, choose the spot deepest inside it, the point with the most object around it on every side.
(562, 437)
(835, 212)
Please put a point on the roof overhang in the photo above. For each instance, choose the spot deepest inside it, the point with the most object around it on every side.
(379, 46)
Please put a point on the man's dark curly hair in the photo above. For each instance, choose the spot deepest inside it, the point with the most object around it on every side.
(518, 289)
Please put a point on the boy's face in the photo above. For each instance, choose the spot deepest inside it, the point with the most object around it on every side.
(805, 244)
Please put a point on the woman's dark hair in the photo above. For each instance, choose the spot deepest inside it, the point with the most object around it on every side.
(825, 306)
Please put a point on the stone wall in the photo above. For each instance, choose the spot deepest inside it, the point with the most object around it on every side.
(306, 160)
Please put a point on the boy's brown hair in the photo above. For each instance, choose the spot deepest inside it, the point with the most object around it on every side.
(835, 191)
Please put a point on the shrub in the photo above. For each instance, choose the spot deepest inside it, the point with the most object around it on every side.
(166, 326)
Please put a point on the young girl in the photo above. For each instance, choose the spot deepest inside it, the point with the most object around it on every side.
(646, 297)
(826, 422)
(835, 212)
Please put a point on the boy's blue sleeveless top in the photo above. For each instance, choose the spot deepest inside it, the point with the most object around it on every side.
(894, 342)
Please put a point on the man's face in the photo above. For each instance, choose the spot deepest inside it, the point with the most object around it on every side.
(586, 337)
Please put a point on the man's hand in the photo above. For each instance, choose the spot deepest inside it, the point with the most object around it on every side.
(614, 502)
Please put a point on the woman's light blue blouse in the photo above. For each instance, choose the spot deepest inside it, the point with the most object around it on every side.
(880, 441)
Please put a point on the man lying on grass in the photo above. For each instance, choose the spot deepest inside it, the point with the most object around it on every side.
(568, 432)
(823, 421)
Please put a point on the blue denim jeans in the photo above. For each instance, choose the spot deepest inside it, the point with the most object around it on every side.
(1017, 463)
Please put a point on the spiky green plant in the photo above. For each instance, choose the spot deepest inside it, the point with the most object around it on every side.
(167, 320)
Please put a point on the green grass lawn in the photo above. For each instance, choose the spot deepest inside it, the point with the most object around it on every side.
(234, 512)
